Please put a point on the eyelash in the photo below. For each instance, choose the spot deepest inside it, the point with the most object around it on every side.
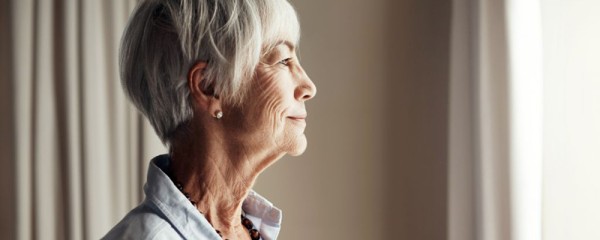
(285, 62)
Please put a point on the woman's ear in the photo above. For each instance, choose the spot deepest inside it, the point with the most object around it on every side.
(203, 97)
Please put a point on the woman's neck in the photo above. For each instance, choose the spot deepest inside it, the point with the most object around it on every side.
(217, 176)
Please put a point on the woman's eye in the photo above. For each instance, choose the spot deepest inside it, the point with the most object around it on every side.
(285, 62)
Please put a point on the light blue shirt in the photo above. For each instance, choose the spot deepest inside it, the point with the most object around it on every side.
(166, 213)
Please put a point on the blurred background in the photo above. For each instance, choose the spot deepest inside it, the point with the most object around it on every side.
(456, 119)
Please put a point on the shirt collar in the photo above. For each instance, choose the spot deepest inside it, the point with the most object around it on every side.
(185, 218)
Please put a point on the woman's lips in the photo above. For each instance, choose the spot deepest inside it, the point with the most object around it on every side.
(298, 116)
(298, 119)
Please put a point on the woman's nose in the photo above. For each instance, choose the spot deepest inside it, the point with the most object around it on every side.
(306, 89)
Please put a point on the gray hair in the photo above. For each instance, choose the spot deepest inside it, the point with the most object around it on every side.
(165, 38)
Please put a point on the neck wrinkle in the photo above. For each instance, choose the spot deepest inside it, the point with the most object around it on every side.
(217, 179)
(217, 168)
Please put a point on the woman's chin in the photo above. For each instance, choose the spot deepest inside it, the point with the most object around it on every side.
(299, 146)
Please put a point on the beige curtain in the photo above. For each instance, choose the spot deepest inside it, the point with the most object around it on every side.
(495, 136)
(79, 149)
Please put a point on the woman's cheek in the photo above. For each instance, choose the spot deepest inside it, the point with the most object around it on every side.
(270, 86)
(276, 115)
(271, 105)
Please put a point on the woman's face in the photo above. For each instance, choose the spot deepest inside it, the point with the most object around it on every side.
(273, 114)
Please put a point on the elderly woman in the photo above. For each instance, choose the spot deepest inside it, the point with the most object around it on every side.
(220, 83)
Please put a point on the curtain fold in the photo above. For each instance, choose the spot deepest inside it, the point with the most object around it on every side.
(525, 59)
(81, 148)
(495, 139)
(461, 120)
(7, 122)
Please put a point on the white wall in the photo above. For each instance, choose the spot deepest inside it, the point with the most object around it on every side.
(571, 208)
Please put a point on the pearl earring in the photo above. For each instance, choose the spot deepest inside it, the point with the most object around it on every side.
(219, 115)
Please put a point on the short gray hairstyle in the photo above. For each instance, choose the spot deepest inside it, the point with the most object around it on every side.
(165, 38)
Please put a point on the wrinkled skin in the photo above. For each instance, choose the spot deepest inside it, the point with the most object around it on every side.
(273, 114)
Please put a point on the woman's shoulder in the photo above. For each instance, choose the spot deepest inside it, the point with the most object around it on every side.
(143, 223)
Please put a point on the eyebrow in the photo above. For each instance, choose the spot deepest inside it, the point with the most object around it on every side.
(289, 44)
